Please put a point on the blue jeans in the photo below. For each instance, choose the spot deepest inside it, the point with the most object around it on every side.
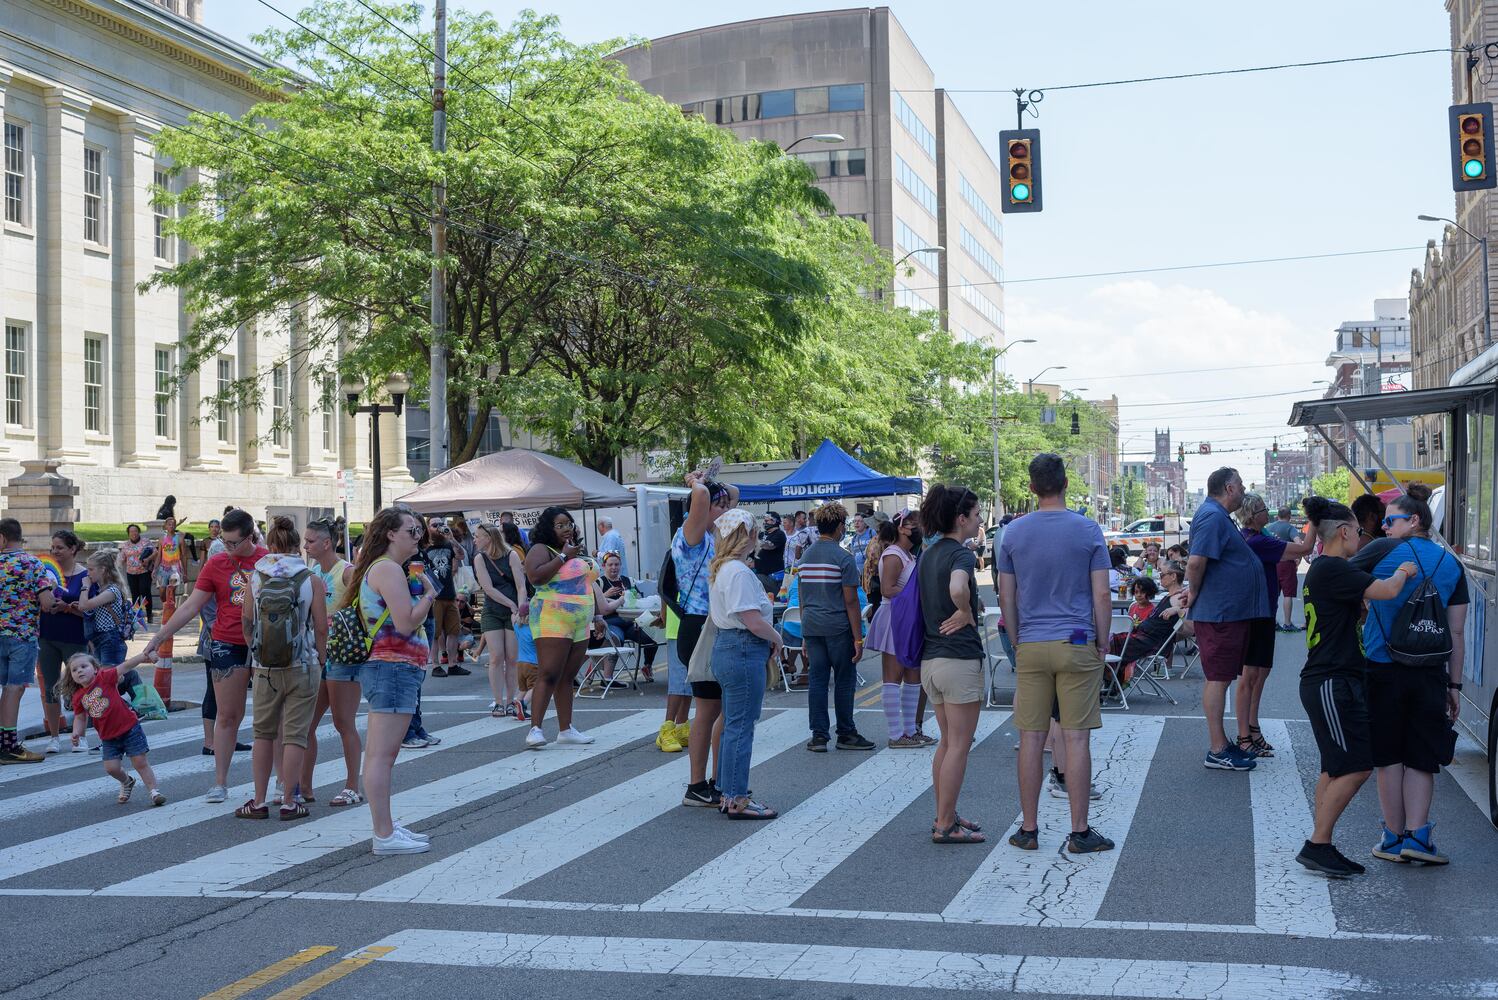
(830, 657)
(17, 661)
(109, 647)
(739, 665)
(391, 687)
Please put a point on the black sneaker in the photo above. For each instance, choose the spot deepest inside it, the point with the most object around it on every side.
(458, 671)
(242, 747)
(853, 741)
(1088, 841)
(818, 744)
(1025, 840)
(702, 794)
(1327, 860)
(439, 671)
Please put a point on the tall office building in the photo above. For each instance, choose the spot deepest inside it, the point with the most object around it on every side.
(910, 166)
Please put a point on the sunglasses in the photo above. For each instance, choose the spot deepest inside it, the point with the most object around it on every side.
(414, 532)
(1391, 518)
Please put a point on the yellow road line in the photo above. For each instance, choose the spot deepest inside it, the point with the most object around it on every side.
(270, 973)
(332, 973)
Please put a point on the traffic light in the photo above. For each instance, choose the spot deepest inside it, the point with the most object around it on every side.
(1076, 424)
(1180, 453)
(1274, 449)
(1472, 167)
(1022, 170)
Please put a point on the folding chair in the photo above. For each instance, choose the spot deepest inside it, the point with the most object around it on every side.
(1113, 686)
(789, 644)
(1143, 665)
(626, 663)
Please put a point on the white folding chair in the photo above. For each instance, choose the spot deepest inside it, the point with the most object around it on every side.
(1113, 686)
(1142, 666)
(626, 657)
(789, 644)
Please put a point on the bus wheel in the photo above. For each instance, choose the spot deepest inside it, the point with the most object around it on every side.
(1493, 763)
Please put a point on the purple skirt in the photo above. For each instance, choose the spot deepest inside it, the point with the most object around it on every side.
(879, 638)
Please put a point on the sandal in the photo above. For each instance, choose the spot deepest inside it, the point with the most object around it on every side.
(251, 811)
(752, 810)
(1257, 735)
(495, 712)
(294, 811)
(347, 797)
(126, 789)
(956, 834)
(964, 823)
(1248, 746)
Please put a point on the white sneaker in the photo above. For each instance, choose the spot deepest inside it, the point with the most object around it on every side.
(571, 735)
(398, 843)
(216, 793)
(81, 746)
(54, 745)
(420, 838)
(535, 739)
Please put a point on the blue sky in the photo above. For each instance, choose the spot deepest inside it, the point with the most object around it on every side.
(1294, 162)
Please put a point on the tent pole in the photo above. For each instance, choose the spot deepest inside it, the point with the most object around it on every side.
(1378, 459)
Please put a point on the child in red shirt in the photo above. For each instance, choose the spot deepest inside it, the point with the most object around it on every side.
(1145, 590)
(93, 692)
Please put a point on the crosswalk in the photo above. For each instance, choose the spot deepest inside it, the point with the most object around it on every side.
(611, 811)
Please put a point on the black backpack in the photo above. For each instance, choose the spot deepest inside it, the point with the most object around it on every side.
(1421, 635)
(667, 585)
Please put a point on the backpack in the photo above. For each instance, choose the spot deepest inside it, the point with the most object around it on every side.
(907, 624)
(1421, 635)
(280, 623)
(669, 587)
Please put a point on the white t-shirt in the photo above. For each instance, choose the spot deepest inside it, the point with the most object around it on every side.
(736, 589)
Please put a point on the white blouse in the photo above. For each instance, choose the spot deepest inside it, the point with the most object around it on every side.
(737, 589)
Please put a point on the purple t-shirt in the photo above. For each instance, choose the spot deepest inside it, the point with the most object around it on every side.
(1052, 555)
(1270, 551)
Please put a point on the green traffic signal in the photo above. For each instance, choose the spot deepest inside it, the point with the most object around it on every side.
(1020, 192)
(1472, 168)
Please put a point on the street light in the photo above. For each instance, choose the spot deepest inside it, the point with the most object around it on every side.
(1487, 306)
(934, 249)
(819, 137)
(998, 500)
(1030, 385)
(397, 385)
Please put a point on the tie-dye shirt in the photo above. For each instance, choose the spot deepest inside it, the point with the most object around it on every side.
(389, 645)
(692, 561)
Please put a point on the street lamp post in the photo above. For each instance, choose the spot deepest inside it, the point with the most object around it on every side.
(998, 498)
(397, 385)
(1487, 307)
(1030, 385)
(818, 137)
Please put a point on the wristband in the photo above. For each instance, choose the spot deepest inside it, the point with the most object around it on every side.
(1453, 687)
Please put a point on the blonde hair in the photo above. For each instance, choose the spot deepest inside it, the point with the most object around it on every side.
(107, 561)
(496, 547)
(1252, 506)
(66, 687)
(731, 546)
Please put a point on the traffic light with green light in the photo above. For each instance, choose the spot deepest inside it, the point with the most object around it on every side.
(1021, 170)
(1472, 167)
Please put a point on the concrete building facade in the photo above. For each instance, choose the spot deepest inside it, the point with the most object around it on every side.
(93, 369)
(909, 166)
(1370, 356)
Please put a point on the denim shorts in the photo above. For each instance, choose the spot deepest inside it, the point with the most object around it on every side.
(226, 657)
(131, 744)
(342, 671)
(390, 687)
(676, 673)
(17, 661)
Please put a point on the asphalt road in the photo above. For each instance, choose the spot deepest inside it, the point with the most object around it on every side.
(573, 871)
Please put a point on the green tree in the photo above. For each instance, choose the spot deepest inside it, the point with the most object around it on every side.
(1334, 485)
(1134, 499)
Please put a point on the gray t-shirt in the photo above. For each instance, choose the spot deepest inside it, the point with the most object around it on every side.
(1052, 555)
(1283, 530)
(935, 569)
(826, 568)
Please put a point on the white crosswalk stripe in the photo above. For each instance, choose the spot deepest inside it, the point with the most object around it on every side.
(158, 738)
(1286, 899)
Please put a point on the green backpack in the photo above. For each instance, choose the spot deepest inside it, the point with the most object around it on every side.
(280, 625)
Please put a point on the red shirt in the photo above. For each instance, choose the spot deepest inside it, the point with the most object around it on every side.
(227, 578)
(101, 700)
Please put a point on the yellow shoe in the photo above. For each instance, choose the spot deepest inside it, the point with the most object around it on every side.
(683, 731)
(667, 741)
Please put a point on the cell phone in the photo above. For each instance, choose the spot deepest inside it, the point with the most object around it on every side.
(714, 466)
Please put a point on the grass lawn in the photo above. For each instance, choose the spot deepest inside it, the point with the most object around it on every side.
(104, 531)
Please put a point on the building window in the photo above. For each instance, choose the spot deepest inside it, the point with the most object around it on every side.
(781, 104)
(93, 384)
(15, 173)
(845, 97)
(980, 255)
(811, 101)
(777, 104)
(159, 214)
(986, 215)
(93, 195)
(225, 413)
(163, 394)
(329, 401)
(15, 374)
(918, 188)
(836, 162)
(982, 303)
(913, 124)
(908, 241)
(910, 299)
(278, 406)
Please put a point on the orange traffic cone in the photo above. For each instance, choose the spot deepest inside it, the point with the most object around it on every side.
(162, 678)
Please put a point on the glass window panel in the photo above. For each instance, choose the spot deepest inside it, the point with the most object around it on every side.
(811, 100)
(845, 97)
(225, 383)
(163, 393)
(93, 195)
(15, 173)
(278, 406)
(15, 374)
(93, 384)
(777, 104)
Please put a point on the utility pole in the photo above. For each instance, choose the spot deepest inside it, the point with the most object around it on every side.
(437, 398)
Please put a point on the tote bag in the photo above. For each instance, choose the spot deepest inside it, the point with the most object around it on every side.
(907, 625)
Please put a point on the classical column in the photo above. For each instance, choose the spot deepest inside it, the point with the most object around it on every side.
(301, 395)
(5, 77)
(133, 347)
(393, 449)
(60, 339)
(258, 452)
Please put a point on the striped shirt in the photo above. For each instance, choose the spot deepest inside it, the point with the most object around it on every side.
(826, 568)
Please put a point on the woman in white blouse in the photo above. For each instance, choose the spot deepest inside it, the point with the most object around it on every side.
(745, 642)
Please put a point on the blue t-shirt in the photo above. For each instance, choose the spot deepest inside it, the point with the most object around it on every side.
(692, 563)
(1382, 557)
(1232, 588)
(1052, 555)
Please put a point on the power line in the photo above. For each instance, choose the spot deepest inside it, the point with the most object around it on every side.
(1218, 399)
(1187, 371)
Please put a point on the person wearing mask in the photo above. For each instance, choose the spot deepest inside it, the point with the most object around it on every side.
(952, 661)
(832, 631)
(863, 534)
(26, 590)
(609, 540)
(61, 632)
(1413, 708)
(1333, 689)
(1224, 592)
(692, 549)
(1258, 658)
(745, 641)
(894, 565)
(339, 686)
(769, 554)
(562, 612)
(499, 570)
(226, 579)
(1053, 586)
(1287, 576)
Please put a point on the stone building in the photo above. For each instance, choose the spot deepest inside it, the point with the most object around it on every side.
(91, 366)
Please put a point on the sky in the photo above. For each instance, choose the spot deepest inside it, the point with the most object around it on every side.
(1290, 163)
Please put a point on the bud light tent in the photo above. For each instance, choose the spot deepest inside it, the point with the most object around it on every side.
(830, 472)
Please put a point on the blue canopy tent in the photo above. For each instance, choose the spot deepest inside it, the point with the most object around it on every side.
(830, 472)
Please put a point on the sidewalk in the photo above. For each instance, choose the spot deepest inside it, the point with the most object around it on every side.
(188, 684)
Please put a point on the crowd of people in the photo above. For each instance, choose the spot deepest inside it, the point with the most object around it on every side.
(299, 623)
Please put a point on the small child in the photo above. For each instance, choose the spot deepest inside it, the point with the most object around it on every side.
(1145, 590)
(93, 692)
(105, 609)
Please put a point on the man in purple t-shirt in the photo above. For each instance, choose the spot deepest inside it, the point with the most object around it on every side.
(1252, 516)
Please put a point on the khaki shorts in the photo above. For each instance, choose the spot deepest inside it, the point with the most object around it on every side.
(284, 700)
(1057, 673)
(950, 681)
(445, 615)
(526, 673)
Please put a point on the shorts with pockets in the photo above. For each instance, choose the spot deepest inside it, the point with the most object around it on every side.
(284, 698)
(17, 661)
(1222, 646)
(128, 744)
(1407, 706)
(555, 619)
(950, 681)
(1287, 571)
(1260, 649)
(226, 657)
(391, 687)
(1338, 709)
(445, 615)
(341, 671)
(1059, 673)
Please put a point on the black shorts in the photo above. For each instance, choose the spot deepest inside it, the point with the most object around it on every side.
(1260, 651)
(1338, 710)
(687, 635)
(1408, 709)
